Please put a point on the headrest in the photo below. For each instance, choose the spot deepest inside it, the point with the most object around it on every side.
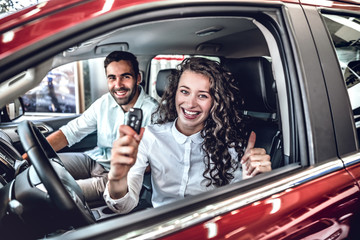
(162, 81)
(256, 82)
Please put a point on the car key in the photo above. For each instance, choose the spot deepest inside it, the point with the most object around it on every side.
(135, 119)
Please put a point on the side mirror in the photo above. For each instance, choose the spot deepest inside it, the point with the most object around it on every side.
(12, 110)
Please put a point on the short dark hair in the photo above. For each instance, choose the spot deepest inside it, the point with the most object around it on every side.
(117, 56)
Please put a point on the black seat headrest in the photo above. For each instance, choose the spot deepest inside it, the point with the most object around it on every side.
(162, 81)
(256, 82)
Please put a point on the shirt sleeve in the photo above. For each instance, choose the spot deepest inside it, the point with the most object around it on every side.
(147, 113)
(148, 105)
(124, 204)
(81, 126)
(134, 179)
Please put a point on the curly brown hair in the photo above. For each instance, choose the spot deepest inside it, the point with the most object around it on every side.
(225, 126)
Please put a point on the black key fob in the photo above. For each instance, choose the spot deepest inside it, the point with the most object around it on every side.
(135, 119)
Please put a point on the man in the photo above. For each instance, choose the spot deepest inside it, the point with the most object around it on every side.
(105, 115)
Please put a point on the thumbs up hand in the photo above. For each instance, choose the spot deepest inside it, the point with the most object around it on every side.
(255, 160)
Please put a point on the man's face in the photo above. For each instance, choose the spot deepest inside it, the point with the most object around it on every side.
(122, 83)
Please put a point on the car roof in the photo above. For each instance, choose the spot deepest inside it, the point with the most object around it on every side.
(36, 28)
(95, 28)
(37, 22)
(40, 21)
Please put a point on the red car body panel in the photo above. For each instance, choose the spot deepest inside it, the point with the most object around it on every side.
(44, 20)
(265, 219)
(34, 12)
(354, 171)
(39, 22)
(346, 5)
(270, 219)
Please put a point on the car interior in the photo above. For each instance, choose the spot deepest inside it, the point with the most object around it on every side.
(244, 46)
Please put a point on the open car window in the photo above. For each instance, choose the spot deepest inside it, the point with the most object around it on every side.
(67, 89)
(56, 92)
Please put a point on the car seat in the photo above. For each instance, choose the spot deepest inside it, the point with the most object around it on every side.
(257, 86)
(162, 80)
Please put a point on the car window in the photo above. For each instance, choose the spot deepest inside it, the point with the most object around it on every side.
(345, 34)
(69, 88)
(55, 93)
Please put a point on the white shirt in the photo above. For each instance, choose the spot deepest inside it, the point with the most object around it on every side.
(105, 116)
(177, 166)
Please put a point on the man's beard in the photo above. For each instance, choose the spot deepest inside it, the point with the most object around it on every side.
(127, 100)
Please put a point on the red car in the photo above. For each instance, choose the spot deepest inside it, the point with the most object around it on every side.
(297, 63)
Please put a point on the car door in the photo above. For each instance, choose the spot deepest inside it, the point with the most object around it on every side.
(313, 193)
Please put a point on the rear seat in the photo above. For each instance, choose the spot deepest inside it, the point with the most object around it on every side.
(162, 80)
(257, 86)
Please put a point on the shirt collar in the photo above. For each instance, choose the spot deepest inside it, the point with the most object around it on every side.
(181, 138)
(139, 102)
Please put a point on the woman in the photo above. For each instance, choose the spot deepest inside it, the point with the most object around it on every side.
(198, 141)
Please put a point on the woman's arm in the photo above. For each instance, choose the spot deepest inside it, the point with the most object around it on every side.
(123, 157)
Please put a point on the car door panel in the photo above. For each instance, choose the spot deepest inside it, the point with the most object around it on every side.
(85, 144)
(341, 110)
(289, 214)
(308, 202)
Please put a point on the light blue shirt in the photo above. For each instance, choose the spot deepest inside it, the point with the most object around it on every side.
(177, 166)
(105, 116)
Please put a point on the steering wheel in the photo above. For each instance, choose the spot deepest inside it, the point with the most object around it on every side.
(63, 190)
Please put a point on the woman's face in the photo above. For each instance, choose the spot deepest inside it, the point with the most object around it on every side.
(193, 102)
